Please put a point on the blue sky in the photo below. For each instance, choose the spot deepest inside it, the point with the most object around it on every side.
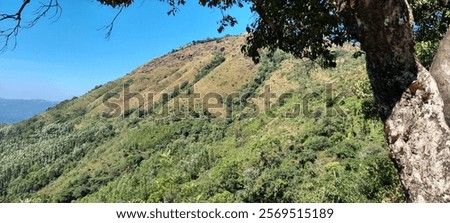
(66, 58)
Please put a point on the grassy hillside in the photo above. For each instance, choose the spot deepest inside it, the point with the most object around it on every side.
(15, 110)
(204, 124)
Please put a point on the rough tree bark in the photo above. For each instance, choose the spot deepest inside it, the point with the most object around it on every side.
(408, 96)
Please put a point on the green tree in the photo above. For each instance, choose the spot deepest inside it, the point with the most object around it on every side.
(412, 101)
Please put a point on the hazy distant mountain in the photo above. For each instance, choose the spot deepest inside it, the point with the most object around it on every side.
(15, 110)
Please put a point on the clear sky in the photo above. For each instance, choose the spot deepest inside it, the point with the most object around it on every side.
(66, 58)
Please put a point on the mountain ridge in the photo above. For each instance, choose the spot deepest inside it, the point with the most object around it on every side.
(15, 110)
(205, 124)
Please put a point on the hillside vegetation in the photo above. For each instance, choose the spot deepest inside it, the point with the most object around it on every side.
(151, 137)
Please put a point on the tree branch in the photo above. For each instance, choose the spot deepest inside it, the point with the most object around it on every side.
(110, 26)
(10, 33)
(440, 70)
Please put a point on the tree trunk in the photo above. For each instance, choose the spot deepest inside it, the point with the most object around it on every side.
(440, 70)
(409, 101)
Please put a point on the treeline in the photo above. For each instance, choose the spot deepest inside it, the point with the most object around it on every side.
(32, 159)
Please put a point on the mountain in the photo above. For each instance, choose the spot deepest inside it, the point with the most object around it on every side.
(15, 110)
(205, 124)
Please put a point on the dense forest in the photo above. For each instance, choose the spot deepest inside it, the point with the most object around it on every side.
(319, 140)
